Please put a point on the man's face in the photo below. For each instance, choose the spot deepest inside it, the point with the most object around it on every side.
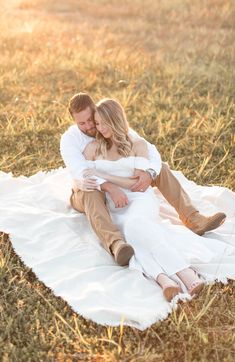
(85, 122)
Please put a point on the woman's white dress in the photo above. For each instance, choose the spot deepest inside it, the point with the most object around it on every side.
(158, 248)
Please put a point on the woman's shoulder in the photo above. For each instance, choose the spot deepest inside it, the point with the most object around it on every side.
(139, 146)
(90, 150)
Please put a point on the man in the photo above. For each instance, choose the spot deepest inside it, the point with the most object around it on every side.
(88, 193)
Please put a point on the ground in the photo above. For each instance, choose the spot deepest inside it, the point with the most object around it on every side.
(172, 66)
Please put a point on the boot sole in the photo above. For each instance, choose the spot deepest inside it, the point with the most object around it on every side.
(123, 254)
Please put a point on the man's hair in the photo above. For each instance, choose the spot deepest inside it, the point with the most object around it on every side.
(79, 102)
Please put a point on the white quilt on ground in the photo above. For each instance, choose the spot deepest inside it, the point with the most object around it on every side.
(62, 250)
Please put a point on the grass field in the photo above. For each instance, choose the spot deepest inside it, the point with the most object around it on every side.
(172, 65)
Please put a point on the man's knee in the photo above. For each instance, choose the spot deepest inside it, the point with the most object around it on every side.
(94, 201)
(94, 196)
(96, 209)
(84, 201)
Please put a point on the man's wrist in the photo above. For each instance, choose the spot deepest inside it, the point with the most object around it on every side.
(152, 173)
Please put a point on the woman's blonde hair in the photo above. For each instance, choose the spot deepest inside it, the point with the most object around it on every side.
(113, 115)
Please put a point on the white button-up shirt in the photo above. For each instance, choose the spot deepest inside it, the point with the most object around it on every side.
(73, 143)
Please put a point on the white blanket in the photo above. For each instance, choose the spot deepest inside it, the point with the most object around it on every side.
(65, 254)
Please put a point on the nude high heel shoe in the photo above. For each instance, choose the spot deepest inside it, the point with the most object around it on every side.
(191, 280)
(196, 287)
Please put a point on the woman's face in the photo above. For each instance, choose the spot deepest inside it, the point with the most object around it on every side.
(105, 130)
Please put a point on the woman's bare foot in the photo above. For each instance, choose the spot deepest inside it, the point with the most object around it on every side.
(169, 287)
(191, 280)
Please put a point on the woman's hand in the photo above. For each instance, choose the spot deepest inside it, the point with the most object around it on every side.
(118, 196)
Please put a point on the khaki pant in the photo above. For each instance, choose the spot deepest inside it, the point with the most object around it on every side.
(173, 192)
(93, 205)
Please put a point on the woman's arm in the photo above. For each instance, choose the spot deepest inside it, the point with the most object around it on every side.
(124, 182)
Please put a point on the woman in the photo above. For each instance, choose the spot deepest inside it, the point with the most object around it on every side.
(116, 157)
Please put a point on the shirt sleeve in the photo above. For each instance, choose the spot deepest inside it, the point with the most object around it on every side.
(73, 157)
(154, 156)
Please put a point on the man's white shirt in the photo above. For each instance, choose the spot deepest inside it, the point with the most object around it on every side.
(73, 143)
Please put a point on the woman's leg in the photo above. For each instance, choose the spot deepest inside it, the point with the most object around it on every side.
(152, 254)
(153, 249)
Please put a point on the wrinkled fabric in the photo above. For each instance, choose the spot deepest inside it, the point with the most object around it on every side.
(65, 254)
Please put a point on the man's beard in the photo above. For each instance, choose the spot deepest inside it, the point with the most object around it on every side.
(91, 132)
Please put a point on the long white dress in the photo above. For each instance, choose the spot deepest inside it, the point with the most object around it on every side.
(158, 248)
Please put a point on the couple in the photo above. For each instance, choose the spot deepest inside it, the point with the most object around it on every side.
(112, 175)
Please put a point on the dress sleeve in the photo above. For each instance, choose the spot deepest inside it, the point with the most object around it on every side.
(154, 155)
(141, 163)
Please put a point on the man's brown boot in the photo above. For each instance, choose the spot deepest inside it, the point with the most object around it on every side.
(122, 252)
(200, 224)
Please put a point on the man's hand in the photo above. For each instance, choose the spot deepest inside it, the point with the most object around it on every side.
(143, 182)
(86, 184)
(117, 195)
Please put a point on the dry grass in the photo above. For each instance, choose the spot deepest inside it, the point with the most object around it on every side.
(171, 64)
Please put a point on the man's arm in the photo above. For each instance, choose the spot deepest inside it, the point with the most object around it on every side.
(71, 149)
(144, 177)
(72, 155)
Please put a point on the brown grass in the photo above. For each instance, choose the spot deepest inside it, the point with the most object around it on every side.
(175, 61)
